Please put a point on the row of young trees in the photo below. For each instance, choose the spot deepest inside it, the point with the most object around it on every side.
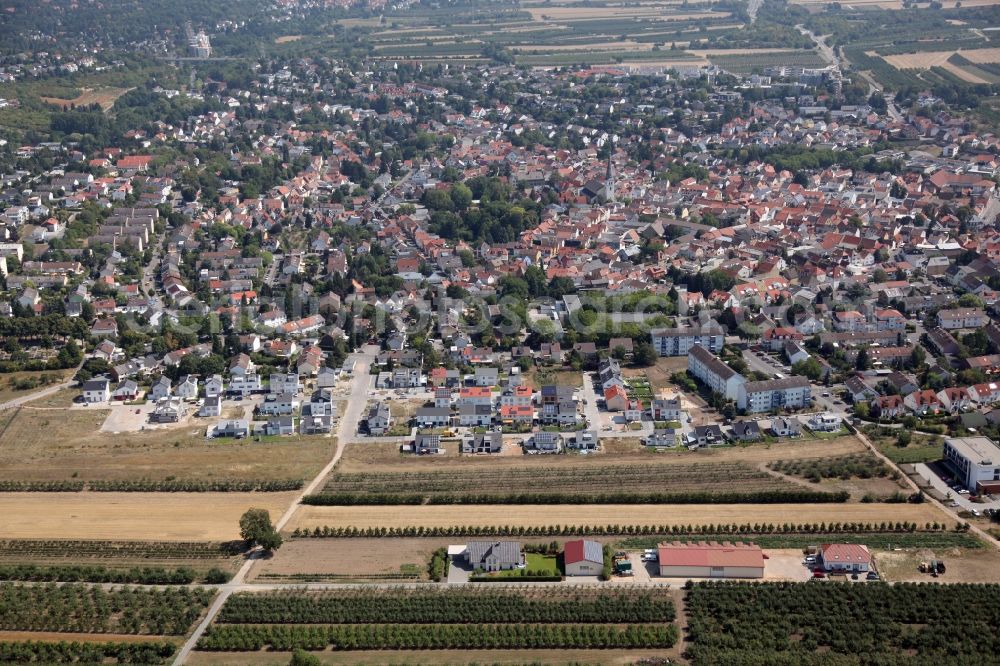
(448, 607)
(913, 623)
(245, 638)
(154, 486)
(76, 573)
(798, 496)
(73, 652)
(92, 609)
(612, 530)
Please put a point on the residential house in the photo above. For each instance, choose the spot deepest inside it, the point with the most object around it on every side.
(494, 555)
(747, 431)
(585, 440)
(433, 417)
(547, 442)
(923, 402)
(664, 438)
(168, 410)
(187, 388)
(96, 390)
(214, 386)
(475, 415)
(278, 404)
(237, 429)
(125, 391)
(616, 398)
(888, 406)
(427, 444)
(824, 422)
(280, 426)
(160, 389)
(706, 435)
(486, 377)
(663, 409)
(378, 419)
(783, 426)
(490, 442)
(958, 318)
(212, 406)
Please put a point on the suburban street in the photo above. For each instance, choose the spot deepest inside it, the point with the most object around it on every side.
(360, 380)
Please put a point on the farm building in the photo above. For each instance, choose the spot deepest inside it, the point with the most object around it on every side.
(845, 557)
(711, 560)
(583, 558)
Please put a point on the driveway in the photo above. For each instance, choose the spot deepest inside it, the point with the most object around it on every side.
(939, 485)
(458, 572)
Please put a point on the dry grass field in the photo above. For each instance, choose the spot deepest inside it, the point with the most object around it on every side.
(45, 378)
(308, 517)
(343, 560)
(964, 565)
(57, 444)
(285, 39)
(132, 516)
(104, 96)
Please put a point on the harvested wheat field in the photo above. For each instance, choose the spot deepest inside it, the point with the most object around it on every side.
(132, 516)
(928, 59)
(308, 517)
(104, 96)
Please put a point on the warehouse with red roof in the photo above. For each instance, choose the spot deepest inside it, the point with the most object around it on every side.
(711, 560)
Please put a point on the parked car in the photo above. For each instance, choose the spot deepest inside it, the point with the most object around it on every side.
(818, 574)
(872, 575)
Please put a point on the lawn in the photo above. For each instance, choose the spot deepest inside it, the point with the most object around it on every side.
(534, 562)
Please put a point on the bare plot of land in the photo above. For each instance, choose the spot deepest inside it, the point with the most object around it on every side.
(105, 97)
(58, 444)
(580, 13)
(133, 516)
(625, 45)
(963, 565)
(309, 517)
(344, 560)
(284, 39)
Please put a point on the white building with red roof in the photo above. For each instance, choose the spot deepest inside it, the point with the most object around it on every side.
(711, 560)
(845, 557)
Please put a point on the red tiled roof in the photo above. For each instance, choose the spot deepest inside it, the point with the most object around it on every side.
(712, 554)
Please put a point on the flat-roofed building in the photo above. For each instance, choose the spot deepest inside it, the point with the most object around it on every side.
(976, 461)
(715, 374)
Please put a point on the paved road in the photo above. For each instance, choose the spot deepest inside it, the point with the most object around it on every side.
(939, 484)
(590, 410)
(359, 384)
(930, 500)
(824, 49)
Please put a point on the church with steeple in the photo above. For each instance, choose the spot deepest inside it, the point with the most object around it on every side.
(609, 182)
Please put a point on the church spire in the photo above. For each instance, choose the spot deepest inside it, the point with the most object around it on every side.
(609, 181)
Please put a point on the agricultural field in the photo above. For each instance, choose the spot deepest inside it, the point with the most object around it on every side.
(150, 562)
(132, 516)
(92, 609)
(969, 65)
(45, 442)
(567, 483)
(463, 619)
(779, 623)
(379, 473)
(561, 657)
(104, 97)
(863, 475)
(310, 517)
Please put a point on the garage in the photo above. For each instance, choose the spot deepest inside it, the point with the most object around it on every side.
(711, 560)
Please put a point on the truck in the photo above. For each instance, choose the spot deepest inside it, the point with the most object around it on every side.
(622, 564)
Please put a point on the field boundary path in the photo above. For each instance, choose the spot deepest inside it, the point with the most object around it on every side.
(359, 397)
